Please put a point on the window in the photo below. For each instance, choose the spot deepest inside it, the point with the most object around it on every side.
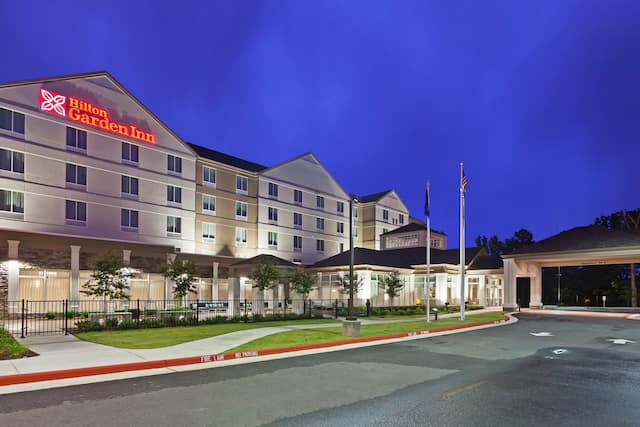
(241, 210)
(241, 236)
(401, 218)
(11, 201)
(76, 175)
(128, 218)
(174, 224)
(11, 161)
(385, 215)
(76, 211)
(341, 247)
(174, 164)
(129, 153)
(297, 220)
(174, 194)
(319, 245)
(242, 184)
(385, 230)
(11, 121)
(129, 185)
(208, 176)
(208, 231)
(297, 243)
(272, 238)
(273, 215)
(297, 197)
(273, 190)
(320, 202)
(208, 204)
(340, 227)
(355, 212)
(340, 207)
(320, 223)
(76, 139)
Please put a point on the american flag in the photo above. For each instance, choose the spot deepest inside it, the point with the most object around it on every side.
(463, 183)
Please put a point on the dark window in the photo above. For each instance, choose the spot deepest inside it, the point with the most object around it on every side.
(129, 218)
(11, 121)
(174, 164)
(11, 161)
(129, 152)
(76, 138)
(320, 202)
(129, 185)
(273, 190)
(320, 223)
(297, 196)
(320, 245)
(297, 220)
(11, 201)
(174, 224)
(174, 194)
(76, 174)
(76, 211)
(340, 207)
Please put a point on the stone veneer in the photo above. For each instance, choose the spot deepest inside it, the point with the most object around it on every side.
(4, 288)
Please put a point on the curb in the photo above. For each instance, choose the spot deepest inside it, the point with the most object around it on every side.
(15, 379)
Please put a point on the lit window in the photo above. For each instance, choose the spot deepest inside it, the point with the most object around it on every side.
(11, 161)
(174, 164)
(76, 139)
(273, 190)
(129, 185)
(272, 238)
(241, 236)
(11, 121)
(241, 210)
(76, 175)
(11, 201)
(76, 211)
(174, 224)
(208, 176)
(208, 231)
(128, 218)
(174, 194)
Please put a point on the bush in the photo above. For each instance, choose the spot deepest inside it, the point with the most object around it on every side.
(88, 325)
(148, 312)
(258, 318)
(111, 323)
(50, 315)
(71, 314)
(85, 314)
(128, 324)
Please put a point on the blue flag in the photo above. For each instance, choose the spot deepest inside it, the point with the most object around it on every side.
(427, 202)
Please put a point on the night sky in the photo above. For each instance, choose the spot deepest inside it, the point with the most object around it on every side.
(540, 99)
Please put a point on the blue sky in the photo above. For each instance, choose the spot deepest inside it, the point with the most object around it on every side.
(540, 99)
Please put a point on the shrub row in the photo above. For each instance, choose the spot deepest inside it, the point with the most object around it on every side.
(170, 321)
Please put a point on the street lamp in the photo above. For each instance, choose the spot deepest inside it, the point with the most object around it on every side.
(353, 200)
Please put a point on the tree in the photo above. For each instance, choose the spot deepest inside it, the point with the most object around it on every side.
(626, 221)
(265, 275)
(301, 282)
(392, 285)
(495, 247)
(344, 281)
(110, 279)
(183, 274)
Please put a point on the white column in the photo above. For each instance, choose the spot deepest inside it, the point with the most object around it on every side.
(214, 284)
(510, 270)
(126, 256)
(441, 288)
(13, 270)
(234, 296)
(536, 287)
(75, 272)
(321, 291)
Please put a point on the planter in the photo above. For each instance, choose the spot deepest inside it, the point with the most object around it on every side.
(351, 328)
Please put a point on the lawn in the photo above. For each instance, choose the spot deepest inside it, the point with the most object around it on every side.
(10, 348)
(310, 336)
(163, 337)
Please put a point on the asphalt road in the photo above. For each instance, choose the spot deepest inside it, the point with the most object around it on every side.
(492, 377)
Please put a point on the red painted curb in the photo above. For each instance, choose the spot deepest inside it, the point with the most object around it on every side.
(192, 360)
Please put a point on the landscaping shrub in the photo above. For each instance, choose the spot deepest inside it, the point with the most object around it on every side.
(88, 325)
(71, 314)
(85, 314)
(50, 315)
(149, 312)
(111, 323)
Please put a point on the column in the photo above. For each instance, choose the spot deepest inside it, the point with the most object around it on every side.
(13, 272)
(510, 270)
(441, 288)
(536, 287)
(75, 273)
(321, 291)
(214, 284)
(234, 296)
(126, 256)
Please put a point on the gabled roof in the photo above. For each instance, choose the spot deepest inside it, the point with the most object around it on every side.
(412, 226)
(582, 238)
(486, 262)
(227, 159)
(398, 258)
(373, 197)
(99, 74)
(264, 258)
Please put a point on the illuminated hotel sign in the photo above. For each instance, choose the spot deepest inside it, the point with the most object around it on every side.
(88, 114)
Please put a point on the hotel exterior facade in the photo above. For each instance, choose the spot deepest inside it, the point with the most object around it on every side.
(86, 169)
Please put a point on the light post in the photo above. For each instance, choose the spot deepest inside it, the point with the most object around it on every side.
(353, 200)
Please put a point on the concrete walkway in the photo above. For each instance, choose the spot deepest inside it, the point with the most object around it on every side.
(67, 352)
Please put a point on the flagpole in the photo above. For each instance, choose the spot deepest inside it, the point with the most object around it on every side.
(462, 248)
(427, 278)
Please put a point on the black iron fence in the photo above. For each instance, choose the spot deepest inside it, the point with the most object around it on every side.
(25, 317)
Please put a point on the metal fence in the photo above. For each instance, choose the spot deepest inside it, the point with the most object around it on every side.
(25, 317)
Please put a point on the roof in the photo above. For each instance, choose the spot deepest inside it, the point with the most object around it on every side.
(412, 226)
(582, 238)
(487, 262)
(398, 258)
(373, 197)
(227, 159)
(264, 258)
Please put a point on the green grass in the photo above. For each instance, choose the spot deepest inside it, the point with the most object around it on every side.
(10, 348)
(311, 336)
(164, 337)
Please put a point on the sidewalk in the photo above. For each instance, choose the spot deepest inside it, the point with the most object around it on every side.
(60, 352)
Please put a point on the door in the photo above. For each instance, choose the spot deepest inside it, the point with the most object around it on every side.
(523, 291)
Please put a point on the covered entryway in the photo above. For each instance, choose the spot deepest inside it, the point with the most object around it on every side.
(590, 245)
